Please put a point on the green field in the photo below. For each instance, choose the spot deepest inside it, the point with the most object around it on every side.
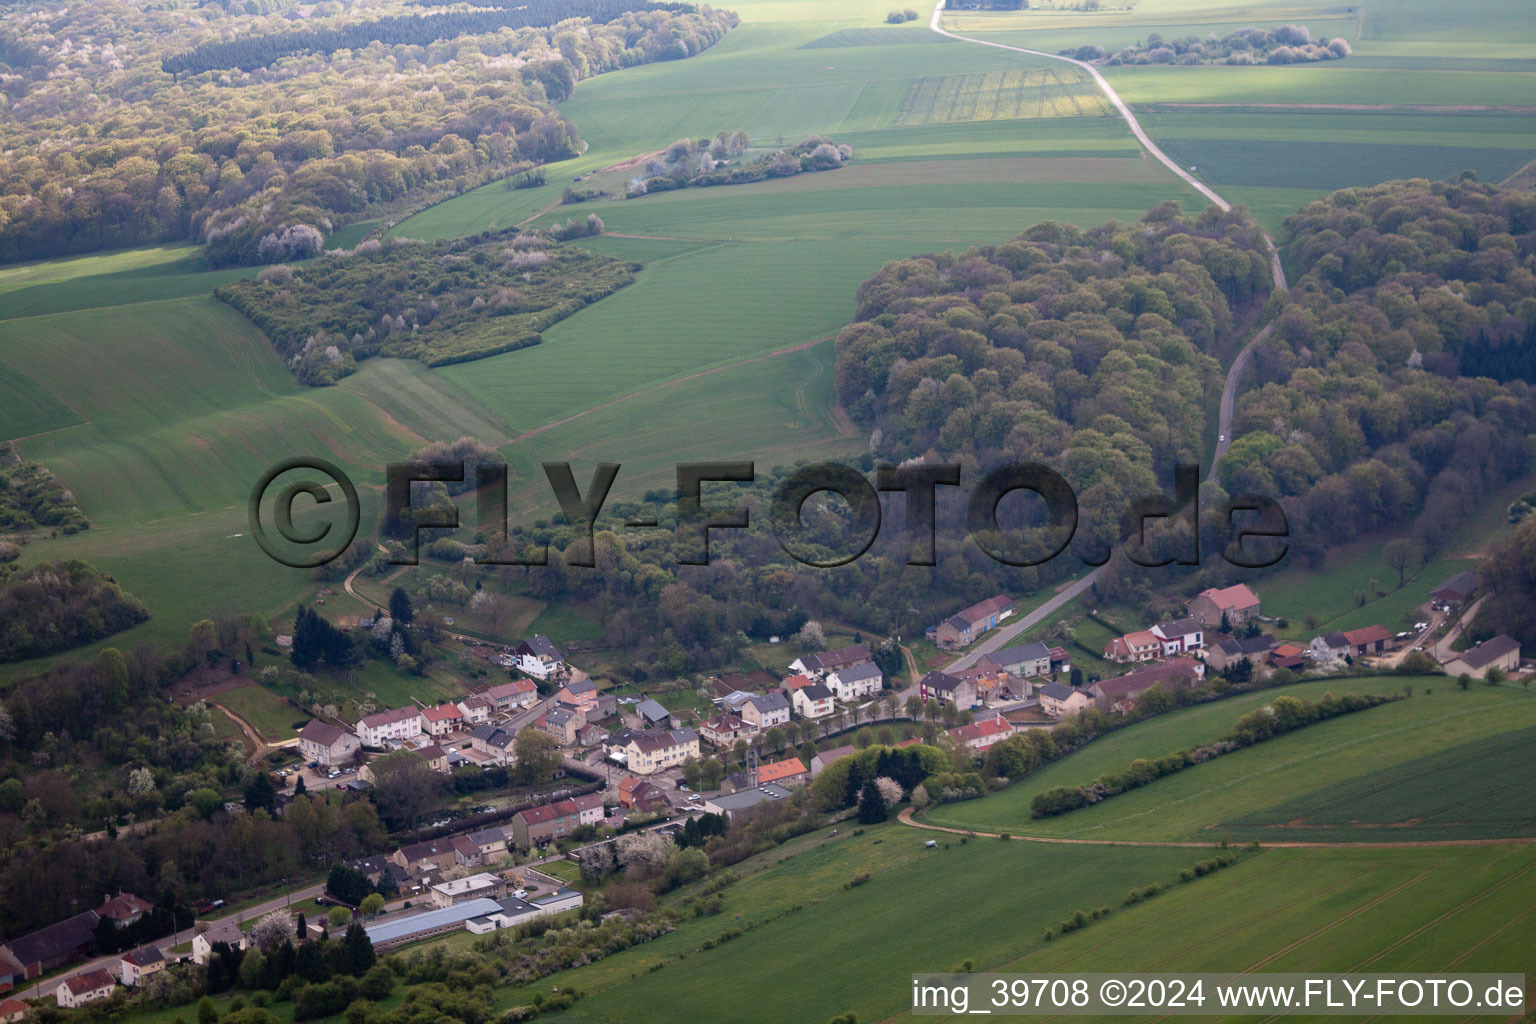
(1221, 797)
(931, 910)
(269, 714)
(1425, 93)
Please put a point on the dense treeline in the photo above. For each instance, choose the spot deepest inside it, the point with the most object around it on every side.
(253, 52)
(32, 498)
(261, 165)
(1509, 583)
(1362, 413)
(1091, 351)
(440, 302)
(53, 607)
(1286, 44)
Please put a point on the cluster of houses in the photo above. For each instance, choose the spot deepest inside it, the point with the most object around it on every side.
(29, 956)
(967, 625)
(817, 686)
(1014, 673)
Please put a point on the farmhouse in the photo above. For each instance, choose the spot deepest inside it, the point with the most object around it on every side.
(539, 658)
(969, 623)
(378, 729)
(947, 689)
(1024, 661)
(856, 682)
(1368, 640)
(54, 946)
(1288, 656)
(1059, 700)
(981, 735)
(1502, 653)
(1229, 651)
(1122, 692)
(326, 743)
(819, 665)
(814, 701)
(1328, 647)
(1237, 603)
(13, 1011)
(226, 932)
(84, 988)
(1142, 645)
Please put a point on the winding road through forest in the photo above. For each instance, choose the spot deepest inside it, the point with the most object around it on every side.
(1005, 635)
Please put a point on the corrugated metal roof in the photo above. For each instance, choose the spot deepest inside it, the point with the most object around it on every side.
(404, 927)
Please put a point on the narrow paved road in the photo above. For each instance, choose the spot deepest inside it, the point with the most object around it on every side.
(1240, 363)
(1001, 637)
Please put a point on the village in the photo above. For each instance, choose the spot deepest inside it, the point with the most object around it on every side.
(625, 763)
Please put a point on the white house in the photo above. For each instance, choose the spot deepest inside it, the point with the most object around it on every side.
(400, 724)
(227, 932)
(1179, 636)
(1059, 700)
(539, 658)
(83, 988)
(856, 682)
(326, 743)
(140, 964)
(814, 701)
(765, 710)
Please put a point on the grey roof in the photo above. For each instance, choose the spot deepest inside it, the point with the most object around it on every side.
(405, 927)
(817, 691)
(559, 716)
(514, 907)
(768, 701)
(1179, 627)
(652, 711)
(539, 646)
(1019, 655)
(1489, 651)
(1057, 691)
(581, 686)
(937, 680)
(743, 799)
(489, 835)
(858, 673)
(1462, 584)
(1336, 639)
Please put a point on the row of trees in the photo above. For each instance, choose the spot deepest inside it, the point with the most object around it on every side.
(32, 498)
(1287, 44)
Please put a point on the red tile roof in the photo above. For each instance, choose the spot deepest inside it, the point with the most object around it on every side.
(1367, 635)
(786, 769)
(1230, 598)
(90, 981)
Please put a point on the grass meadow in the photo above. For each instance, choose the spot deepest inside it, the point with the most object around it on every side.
(1225, 797)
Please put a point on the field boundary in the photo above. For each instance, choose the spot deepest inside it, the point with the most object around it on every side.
(905, 817)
